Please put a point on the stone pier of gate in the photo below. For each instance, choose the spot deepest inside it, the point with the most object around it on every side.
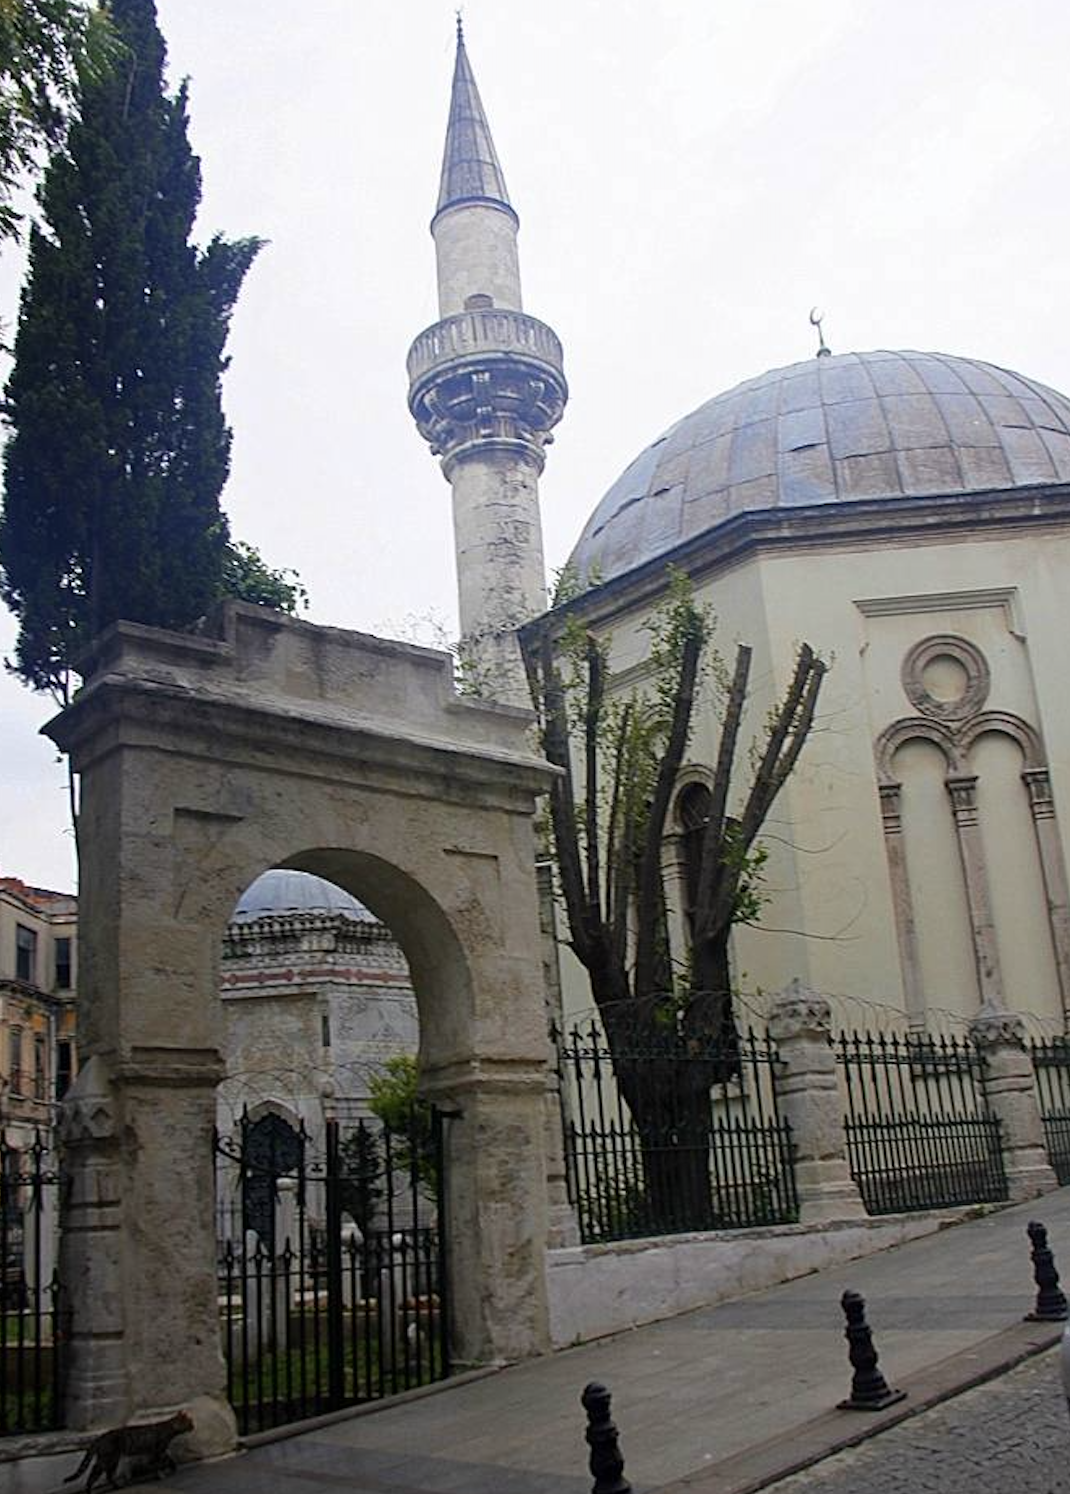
(204, 760)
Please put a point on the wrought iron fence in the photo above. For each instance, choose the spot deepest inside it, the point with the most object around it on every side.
(919, 1135)
(331, 1268)
(1051, 1067)
(32, 1308)
(665, 1133)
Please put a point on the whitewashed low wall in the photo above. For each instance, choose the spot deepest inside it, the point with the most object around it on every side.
(600, 1289)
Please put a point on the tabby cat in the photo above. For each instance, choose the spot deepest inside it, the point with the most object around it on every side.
(143, 1447)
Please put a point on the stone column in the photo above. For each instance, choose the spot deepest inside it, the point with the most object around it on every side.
(963, 791)
(1012, 1098)
(808, 1093)
(1053, 870)
(902, 903)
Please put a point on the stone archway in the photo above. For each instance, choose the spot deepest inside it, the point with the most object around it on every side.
(203, 761)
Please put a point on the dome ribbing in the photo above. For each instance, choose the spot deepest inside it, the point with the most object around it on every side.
(856, 426)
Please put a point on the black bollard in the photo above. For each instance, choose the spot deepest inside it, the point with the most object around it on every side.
(607, 1465)
(1051, 1303)
(870, 1391)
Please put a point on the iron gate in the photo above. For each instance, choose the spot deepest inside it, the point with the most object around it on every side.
(919, 1135)
(1051, 1066)
(32, 1309)
(331, 1265)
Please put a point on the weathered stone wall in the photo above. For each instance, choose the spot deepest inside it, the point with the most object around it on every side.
(205, 761)
(601, 1289)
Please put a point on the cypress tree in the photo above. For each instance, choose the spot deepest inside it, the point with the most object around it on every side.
(119, 449)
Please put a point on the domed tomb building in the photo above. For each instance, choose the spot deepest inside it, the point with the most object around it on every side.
(908, 515)
(316, 997)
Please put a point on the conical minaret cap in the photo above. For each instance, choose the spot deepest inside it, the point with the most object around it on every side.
(471, 171)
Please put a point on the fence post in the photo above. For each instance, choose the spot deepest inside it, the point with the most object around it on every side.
(999, 1036)
(808, 1091)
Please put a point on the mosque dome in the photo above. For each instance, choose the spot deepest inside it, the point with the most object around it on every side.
(845, 428)
(282, 891)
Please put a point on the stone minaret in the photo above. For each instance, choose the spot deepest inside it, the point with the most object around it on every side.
(486, 388)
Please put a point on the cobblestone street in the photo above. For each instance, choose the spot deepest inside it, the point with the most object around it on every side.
(1011, 1436)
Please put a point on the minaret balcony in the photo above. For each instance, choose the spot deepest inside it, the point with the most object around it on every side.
(488, 374)
(486, 329)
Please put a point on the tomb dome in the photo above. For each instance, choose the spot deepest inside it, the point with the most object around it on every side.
(846, 428)
(281, 890)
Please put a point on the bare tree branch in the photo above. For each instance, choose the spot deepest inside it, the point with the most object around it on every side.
(562, 798)
(596, 687)
(649, 892)
(713, 837)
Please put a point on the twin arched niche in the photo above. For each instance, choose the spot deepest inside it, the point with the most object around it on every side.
(947, 680)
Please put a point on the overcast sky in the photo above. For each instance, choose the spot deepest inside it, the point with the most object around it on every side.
(691, 177)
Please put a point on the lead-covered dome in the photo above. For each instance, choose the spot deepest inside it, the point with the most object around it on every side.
(856, 426)
(284, 891)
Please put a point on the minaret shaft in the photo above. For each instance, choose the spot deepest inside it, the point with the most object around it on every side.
(476, 255)
(486, 388)
(500, 569)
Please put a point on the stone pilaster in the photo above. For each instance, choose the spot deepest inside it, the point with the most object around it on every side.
(496, 1209)
(139, 1274)
(808, 1091)
(1053, 870)
(902, 902)
(1012, 1099)
(91, 1253)
(963, 791)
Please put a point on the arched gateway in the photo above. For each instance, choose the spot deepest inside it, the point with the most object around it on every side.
(203, 761)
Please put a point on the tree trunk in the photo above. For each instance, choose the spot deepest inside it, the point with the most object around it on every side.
(666, 1084)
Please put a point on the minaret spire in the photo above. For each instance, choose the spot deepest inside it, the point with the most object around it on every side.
(486, 388)
(471, 171)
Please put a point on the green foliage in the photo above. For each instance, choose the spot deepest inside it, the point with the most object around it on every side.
(568, 584)
(629, 732)
(44, 46)
(396, 1101)
(248, 578)
(119, 449)
(362, 1172)
(620, 753)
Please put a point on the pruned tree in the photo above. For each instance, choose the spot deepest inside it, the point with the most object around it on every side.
(619, 760)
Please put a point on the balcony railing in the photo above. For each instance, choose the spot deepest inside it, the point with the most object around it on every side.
(484, 330)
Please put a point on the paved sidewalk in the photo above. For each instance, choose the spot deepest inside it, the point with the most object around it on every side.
(708, 1401)
(1010, 1434)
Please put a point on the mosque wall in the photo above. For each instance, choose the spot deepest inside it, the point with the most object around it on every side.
(843, 914)
(866, 610)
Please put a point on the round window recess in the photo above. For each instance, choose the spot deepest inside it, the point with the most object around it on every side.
(946, 678)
